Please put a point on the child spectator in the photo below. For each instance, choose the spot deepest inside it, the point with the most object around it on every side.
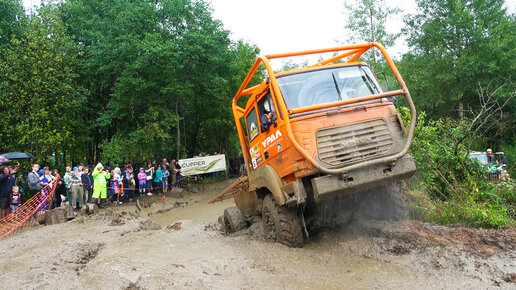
(142, 181)
(15, 199)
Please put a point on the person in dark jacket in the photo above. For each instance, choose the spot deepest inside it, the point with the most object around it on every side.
(87, 183)
(179, 177)
(7, 181)
(60, 191)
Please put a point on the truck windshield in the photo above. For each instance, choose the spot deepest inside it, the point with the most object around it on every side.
(327, 85)
(482, 157)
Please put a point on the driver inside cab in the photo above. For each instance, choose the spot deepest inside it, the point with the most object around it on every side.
(266, 120)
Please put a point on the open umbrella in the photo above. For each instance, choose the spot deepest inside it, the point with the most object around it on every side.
(18, 155)
(3, 159)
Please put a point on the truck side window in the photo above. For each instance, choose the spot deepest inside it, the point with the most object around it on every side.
(266, 104)
(252, 125)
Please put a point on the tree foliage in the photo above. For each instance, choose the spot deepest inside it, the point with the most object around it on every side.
(366, 22)
(458, 45)
(39, 90)
(114, 80)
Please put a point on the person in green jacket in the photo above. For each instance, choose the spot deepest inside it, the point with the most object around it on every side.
(99, 183)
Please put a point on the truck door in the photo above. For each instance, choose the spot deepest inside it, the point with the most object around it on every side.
(253, 131)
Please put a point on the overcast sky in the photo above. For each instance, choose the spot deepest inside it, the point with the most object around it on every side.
(278, 26)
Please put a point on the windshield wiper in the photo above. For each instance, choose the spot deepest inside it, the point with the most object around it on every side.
(370, 83)
(336, 86)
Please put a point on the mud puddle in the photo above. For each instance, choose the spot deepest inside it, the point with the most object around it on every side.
(175, 244)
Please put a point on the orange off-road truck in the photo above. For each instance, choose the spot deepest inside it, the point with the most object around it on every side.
(321, 144)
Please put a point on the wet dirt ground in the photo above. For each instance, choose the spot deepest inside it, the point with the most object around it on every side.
(176, 244)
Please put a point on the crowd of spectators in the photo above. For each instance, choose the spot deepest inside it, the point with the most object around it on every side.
(79, 184)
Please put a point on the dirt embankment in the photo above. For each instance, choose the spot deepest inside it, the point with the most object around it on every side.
(176, 244)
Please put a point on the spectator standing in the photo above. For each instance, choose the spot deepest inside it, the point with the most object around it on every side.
(6, 186)
(87, 184)
(132, 187)
(33, 180)
(179, 177)
(66, 178)
(46, 178)
(60, 190)
(158, 181)
(126, 177)
(166, 175)
(77, 189)
(99, 183)
(115, 183)
(150, 174)
(142, 181)
(15, 199)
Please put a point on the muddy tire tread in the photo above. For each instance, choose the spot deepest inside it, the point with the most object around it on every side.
(233, 219)
(287, 225)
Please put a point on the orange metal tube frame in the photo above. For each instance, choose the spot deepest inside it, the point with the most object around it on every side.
(357, 51)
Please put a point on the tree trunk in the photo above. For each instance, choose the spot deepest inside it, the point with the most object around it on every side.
(178, 130)
(461, 110)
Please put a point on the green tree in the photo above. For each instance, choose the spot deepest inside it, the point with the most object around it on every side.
(457, 45)
(365, 22)
(12, 21)
(40, 98)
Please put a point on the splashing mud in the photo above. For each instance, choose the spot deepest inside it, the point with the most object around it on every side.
(177, 245)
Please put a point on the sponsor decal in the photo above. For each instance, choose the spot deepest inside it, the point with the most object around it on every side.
(278, 147)
(254, 130)
(273, 137)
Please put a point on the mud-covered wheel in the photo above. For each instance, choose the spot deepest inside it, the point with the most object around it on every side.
(388, 202)
(281, 224)
(233, 220)
(222, 224)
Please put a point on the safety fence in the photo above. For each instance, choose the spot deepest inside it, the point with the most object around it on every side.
(19, 220)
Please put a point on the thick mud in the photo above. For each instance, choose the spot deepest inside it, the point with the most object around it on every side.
(176, 244)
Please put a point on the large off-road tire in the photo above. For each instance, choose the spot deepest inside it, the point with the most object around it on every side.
(281, 224)
(388, 202)
(233, 220)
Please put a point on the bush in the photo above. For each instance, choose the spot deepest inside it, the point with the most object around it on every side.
(453, 188)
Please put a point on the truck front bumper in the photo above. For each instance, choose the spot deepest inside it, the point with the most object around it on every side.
(331, 186)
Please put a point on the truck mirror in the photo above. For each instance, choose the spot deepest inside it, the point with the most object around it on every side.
(385, 78)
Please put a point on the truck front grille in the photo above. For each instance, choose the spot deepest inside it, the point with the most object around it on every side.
(354, 143)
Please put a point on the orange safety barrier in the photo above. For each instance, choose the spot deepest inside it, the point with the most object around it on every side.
(18, 220)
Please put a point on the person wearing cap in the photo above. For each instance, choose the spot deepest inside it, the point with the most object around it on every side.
(99, 183)
(266, 120)
(491, 158)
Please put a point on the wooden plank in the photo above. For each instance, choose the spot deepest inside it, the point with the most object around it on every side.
(231, 190)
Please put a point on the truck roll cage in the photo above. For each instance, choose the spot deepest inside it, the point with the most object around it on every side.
(354, 51)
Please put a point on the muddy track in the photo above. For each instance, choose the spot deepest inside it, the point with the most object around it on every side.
(177, 245)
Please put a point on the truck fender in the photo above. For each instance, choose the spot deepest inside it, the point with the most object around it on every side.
(266, 177)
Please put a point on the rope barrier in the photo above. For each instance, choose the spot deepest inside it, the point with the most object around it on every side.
(18, 220)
